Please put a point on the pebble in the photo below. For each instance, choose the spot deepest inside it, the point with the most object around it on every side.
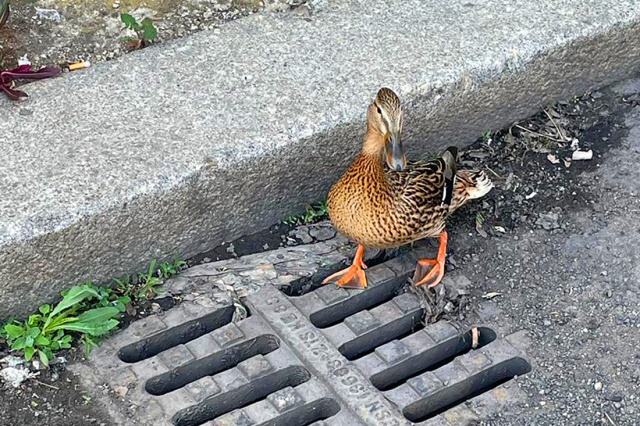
(597, 386)
(613, 398)
(548, 221)
(322, 233)
(449, 307)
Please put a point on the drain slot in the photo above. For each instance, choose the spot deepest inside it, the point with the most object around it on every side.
(306, 285)
(397, 329)
(369, 299)
(211, 364)
(254, 391)
(430, 360)
(180, 334)
(321, 409)
(449, 397)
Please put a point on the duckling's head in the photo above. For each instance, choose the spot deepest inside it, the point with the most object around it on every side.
(384, 118)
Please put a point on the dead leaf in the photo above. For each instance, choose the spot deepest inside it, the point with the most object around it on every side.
(130, 309)
(554, 113)
(479, 224)
(553, 159)
(491, 295)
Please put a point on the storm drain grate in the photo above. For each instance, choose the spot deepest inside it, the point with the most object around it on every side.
(328, 357)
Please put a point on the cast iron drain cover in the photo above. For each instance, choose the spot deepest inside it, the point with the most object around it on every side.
(328, 357)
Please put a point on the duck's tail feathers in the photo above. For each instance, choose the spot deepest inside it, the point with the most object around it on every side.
(473, 183)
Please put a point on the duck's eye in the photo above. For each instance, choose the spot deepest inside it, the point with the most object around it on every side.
(379, 110)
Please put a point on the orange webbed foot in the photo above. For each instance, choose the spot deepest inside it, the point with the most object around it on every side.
(433, 277)
(430, 278)
(353, 276)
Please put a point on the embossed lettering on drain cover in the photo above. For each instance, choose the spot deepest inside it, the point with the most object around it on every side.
(331, 356)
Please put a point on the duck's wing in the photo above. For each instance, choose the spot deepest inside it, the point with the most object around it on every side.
(426, 183)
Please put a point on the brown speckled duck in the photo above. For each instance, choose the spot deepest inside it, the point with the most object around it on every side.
(383, 201)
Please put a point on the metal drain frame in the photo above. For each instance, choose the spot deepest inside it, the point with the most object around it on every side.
(380, 335)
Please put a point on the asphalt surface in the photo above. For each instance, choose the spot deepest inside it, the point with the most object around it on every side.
(569, 272)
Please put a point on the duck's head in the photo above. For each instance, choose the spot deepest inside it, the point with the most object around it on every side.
(384, 117)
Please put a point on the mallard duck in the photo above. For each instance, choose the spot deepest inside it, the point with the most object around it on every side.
(383, 201)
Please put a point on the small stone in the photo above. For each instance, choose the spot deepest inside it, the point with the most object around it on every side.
(302, 233)
(285, 399)
(546, 323)
(613, 398)
(548, 221)
(121, 391)
(322, 233)
(597, 386)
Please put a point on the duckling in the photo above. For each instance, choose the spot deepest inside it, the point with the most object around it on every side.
(384, 201)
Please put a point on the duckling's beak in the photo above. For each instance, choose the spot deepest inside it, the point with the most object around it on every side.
(396, 159)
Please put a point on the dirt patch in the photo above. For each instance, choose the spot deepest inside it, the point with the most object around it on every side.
(268, 239)
(54, 398)
(535, 178)
(65, 31)
(564, 262)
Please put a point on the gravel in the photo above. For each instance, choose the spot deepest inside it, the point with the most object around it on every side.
(62, 32)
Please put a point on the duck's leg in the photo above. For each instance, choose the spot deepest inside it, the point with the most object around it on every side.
(436, 273)
(353, 276)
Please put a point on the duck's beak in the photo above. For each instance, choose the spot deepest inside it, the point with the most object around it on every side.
(396, 159)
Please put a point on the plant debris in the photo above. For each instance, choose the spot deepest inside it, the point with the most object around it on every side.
(4, 12)
(553, 159)
(8, 78)
(491, 295)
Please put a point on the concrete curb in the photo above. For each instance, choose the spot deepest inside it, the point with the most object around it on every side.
(180, 147)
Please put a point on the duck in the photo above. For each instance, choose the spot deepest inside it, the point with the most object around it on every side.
(383, 201)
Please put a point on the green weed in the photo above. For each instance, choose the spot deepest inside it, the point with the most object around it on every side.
(54, 328)
(4, 12)
(312, 214)
(145, 31)
(85, 314)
